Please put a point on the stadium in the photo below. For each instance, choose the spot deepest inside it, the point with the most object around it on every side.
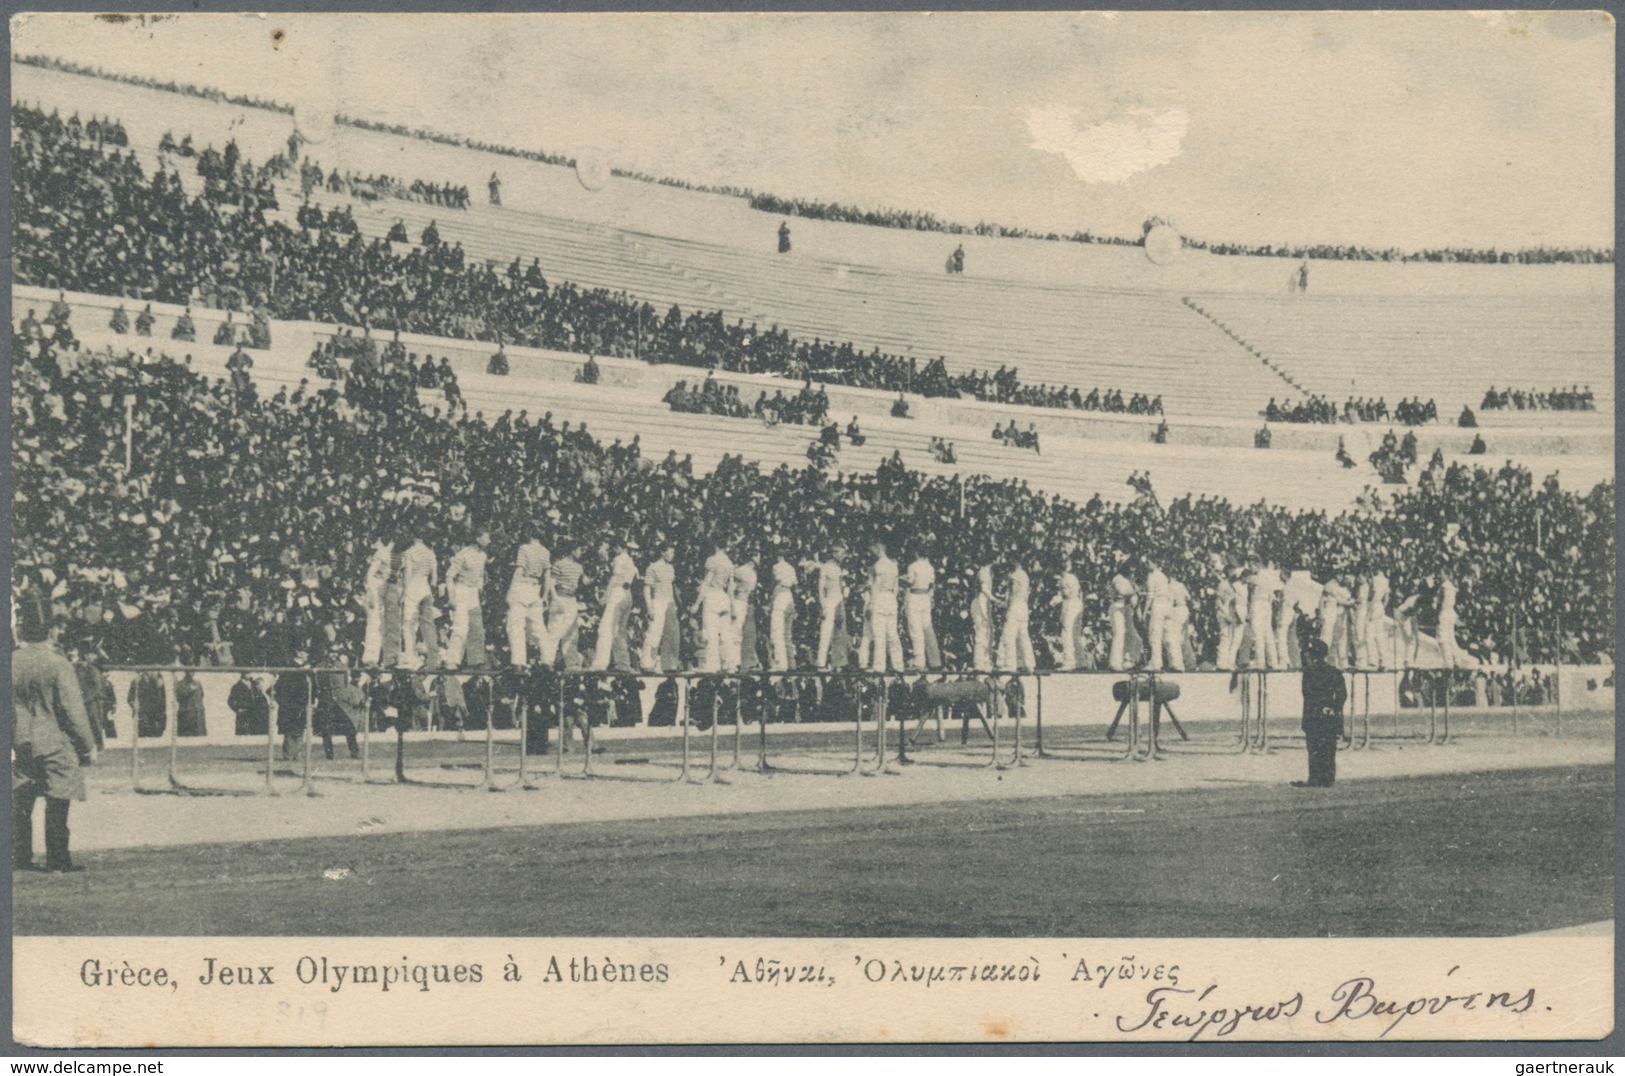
(264, 351)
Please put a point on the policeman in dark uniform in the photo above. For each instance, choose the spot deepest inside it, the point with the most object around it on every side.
(1323, 696)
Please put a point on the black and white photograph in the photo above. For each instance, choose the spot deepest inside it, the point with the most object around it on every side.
(857, 480)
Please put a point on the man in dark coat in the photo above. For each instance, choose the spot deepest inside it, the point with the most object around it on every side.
(292, 691)
(340, 703)
(189, 715)
(1323, 696)
(247, 701)
(50, 740)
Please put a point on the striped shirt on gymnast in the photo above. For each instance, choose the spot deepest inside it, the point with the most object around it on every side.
(419, 563)
(566, 576)
(532, 563)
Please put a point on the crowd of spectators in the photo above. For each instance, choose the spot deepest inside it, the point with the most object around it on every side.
(911, 220)
(808, 407)
(98, 131)
(1004, 386)
(1466, 255)
(1413, 412)
(101, 226)
(1393, 456)
(1014, 438)
(247, 520)
(1573, 398)
(1313, 409)
(1318, 409)
(710, 397)
(373, 188)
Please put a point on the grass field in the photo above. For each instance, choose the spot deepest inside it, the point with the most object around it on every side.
(1469, 853)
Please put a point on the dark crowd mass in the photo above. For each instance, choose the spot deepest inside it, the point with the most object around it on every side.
(90, 219)
(1319, 409)
(372, 188)
(343, 520)
(1573, 398)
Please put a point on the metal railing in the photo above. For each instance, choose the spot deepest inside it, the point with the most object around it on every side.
(870, 693)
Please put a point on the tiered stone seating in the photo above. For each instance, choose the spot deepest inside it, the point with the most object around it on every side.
(1449, 349)
(1130, 340)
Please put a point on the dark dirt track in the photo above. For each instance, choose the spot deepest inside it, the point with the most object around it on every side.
(1460, 854)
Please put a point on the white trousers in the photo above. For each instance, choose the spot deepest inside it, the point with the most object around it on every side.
(656, 633)
(1229, 643)
(826, 634)
(372, 639)
(1267, 653)
(779, 617)
(733, 634)
(1379, 641)
(888, 645)
(715, 615)
(614, 608)
(561, 618)
(1071, 634)
(922, 634)
(1174, 640)
(465, 606)
(981, 620)
(1015, 644)
(417, 596)
(1118, 658)
(1447, 640)
(527, 621)
(1158, 621)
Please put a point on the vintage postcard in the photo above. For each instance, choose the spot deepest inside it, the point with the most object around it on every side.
(827, 528)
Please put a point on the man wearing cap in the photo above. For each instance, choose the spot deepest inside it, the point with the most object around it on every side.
(50, 740)
(465, 579)
(527, 603)
(882, 599)
(659, 599)
(611, 643)
(1323, 696)
(921, 581)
